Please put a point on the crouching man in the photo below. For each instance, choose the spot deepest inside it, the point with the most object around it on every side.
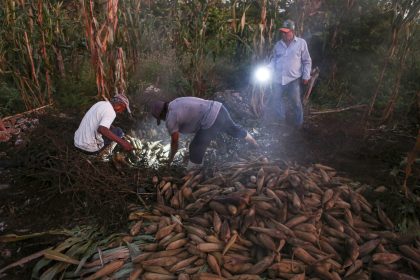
(96, 132)
(204, 118)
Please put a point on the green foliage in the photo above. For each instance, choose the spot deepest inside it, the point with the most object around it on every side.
(218, 31)
(229, 75)
(10, 101)
(407, 217)
(77, 90)
(197, 47)
(402, 211)
(349, 44)
(161, 70)
(325, 93)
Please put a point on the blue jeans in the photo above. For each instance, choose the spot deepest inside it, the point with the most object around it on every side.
(292, 92)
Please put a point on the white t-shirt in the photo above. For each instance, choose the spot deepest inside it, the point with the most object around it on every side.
(87, 136)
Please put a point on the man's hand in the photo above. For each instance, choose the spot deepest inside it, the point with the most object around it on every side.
(305, 82)
(126, 145)
(108, 134)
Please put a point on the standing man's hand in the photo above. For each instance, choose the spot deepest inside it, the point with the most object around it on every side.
(305, 82)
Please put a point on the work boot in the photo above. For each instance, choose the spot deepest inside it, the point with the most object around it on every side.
(251, 140)
(194, 166)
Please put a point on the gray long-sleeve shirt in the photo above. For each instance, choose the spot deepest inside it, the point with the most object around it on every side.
(290, 62)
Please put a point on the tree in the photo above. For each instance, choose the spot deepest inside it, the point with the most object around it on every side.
(405, 12)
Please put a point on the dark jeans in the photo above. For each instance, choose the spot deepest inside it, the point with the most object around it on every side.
(291, 91)
(203, 137)
(114, 129)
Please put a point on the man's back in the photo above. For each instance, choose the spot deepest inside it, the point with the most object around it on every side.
(189, 114)
(87, 136)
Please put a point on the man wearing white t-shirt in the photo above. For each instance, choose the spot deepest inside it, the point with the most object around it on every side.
(96, 131)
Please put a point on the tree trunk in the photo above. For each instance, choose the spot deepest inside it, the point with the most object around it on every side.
(391, 51)
(396, 90)
(303, 7)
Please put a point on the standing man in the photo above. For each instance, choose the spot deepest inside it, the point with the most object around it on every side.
(204, 118)
(96, 131)
(291, 64)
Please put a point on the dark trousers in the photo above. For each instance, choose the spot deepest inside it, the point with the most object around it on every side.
(203, 137)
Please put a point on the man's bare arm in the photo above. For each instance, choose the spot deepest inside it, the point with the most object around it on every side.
(174, 145)
(108, 134)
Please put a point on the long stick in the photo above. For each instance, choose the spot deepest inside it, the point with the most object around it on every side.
(338, 110)
(314, 76)
(27, 112)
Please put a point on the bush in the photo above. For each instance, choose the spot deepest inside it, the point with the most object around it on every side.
(10, 100)
(77, 90)
(161, 70)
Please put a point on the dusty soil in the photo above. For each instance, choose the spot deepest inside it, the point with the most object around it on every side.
(369, 156)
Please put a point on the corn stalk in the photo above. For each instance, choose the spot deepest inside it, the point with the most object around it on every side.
(262, 41)
(120, 78)
(100, 38)
(131, 16)
(29, 30)
(258, 91)
(192, 24)
(43, 50)
(31, 61)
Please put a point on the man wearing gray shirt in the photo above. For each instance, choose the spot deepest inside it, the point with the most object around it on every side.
(204, 118)
(291, 64)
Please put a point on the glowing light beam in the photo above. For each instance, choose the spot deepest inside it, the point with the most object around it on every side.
(262, 74)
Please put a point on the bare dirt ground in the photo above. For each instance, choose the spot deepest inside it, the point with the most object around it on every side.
(371, 157)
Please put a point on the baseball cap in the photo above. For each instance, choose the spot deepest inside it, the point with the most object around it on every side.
(287, 26)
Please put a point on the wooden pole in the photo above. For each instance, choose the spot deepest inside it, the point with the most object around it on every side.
(27, 112)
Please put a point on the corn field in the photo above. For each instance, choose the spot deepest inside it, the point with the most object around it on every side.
(45, 42)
